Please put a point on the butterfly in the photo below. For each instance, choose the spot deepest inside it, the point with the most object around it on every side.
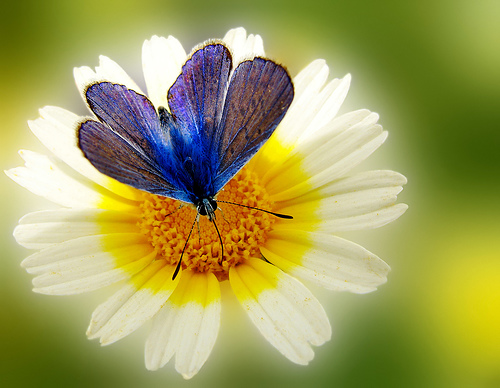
(218, 117)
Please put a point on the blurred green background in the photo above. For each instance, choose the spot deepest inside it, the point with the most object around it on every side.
(432, 71)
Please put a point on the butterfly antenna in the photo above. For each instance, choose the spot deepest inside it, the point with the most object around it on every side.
(221, 244)
(279, 215)
(178, 267)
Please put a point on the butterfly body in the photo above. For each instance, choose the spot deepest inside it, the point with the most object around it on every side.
(218, 117)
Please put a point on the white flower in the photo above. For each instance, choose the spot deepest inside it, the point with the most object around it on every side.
(108, 232)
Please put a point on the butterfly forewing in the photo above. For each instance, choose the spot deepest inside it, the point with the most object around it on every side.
(116, 157)
(196, 98)
(128, 113)
(128, 144)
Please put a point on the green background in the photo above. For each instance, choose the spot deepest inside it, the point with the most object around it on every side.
(431, 69)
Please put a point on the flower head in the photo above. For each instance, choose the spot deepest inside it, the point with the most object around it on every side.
(107, 231)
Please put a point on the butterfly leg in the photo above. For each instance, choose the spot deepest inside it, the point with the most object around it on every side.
(222, 212)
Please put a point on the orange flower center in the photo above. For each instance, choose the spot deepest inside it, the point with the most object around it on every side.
(242, 230)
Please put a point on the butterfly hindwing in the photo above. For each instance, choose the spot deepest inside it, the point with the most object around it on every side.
(260, 92)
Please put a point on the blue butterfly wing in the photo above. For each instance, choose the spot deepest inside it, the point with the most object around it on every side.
(196, 98)
(226, 117)
(259, 94)
(128, 113)
(129, 143)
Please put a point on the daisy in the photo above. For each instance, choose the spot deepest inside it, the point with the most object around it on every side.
(107, 232)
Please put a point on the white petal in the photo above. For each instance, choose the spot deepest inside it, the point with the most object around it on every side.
(285, 312)
(310, 115)
(134, 304)
(337, 142)
(63, 256)
(326, 260)
(163, 339)
(370, 220)
(44, 177)
(327, 104)
(42, 229)
(187, 325)
(56, 129)
(254, 47)
(88, 263)
(307, 85)
(340, 206)
(363, 181)
(162, 60)
(107, 71)
(347, 155)
(235, 38)
(77, 281)
(111, 71)
(273, 162)
(328, 161)
(84, 77)
(360, 201)
(243, 47)
(314, 108)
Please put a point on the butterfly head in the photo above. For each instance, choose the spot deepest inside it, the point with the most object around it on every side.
(207, 207)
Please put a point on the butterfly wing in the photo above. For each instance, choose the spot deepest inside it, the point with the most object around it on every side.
(128, 142)
(196, 98)
(225, 117)
(259, 94)
(196, 102)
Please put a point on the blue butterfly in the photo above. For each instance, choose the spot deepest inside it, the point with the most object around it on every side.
(218, 118)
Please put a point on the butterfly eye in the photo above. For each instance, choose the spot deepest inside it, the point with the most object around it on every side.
(202, 211)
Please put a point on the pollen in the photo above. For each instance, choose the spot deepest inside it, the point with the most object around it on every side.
(167, 222)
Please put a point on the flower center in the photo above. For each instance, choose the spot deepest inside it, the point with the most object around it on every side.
(242, 230)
